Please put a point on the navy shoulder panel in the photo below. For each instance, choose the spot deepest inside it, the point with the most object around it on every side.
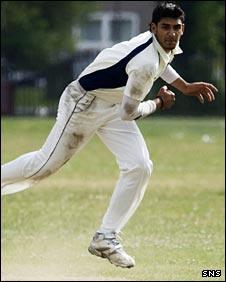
(114, 76)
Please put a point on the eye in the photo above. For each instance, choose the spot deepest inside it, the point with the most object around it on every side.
(177, 27)
(166, 27)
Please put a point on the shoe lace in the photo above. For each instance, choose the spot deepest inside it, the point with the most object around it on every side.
(116, 239)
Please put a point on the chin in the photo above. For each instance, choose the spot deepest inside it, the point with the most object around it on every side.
(171, 47)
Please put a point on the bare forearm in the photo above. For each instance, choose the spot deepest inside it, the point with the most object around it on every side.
(202, 90)
(180, 84)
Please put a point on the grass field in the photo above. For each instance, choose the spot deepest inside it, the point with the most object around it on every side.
(177, 231)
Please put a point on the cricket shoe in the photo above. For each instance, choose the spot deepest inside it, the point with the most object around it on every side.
(108, 246)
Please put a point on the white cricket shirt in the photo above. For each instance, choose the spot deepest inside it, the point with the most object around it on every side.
(137, 62)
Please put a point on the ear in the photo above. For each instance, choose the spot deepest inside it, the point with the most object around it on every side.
(153, 28)
(183, 28)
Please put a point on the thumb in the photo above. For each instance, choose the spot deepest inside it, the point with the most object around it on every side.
(164, 88)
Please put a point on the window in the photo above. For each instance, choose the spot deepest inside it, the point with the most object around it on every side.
(120, 30)
(91, 30)
(104, 29)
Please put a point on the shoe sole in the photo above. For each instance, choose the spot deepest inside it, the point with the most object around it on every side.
(100, 254)
(96, 253)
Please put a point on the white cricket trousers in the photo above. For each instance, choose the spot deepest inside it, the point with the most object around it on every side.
(81, 115)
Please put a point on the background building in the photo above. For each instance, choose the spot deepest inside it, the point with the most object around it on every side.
(95, 25)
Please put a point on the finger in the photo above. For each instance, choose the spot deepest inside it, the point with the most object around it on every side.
(173, 96)
(200, 97)
(164, 87)
(170, 92)
(209, 91)
(206, 95)
(212, 87)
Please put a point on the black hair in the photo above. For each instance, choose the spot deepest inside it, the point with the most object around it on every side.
(167, 10)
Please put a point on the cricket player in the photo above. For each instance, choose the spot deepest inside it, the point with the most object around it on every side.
(106, 99)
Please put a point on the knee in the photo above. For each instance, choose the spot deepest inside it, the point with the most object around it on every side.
(141, 167)
(145, 167)
(40, 166)
(37, 166)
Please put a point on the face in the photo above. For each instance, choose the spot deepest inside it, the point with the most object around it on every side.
(168, 32)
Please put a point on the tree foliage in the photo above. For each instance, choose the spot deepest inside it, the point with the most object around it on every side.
(204, 39)
(36, 33)
(205, 26)
(203, 44)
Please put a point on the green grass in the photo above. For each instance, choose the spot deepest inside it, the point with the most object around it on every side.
(177, 231)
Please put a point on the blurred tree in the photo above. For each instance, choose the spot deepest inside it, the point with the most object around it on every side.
(37, 33)
(204, 38)
(204, 48)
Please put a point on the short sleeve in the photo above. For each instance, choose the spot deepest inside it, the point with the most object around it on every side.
(139, 84)
(140, 79)
(169, 75)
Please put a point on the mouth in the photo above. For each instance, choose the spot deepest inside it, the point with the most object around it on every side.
(171, 44)
(170, 41)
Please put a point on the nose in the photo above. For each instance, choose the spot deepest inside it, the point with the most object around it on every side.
(172, 32)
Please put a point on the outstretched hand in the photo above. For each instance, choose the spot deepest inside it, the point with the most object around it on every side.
(202, 90)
